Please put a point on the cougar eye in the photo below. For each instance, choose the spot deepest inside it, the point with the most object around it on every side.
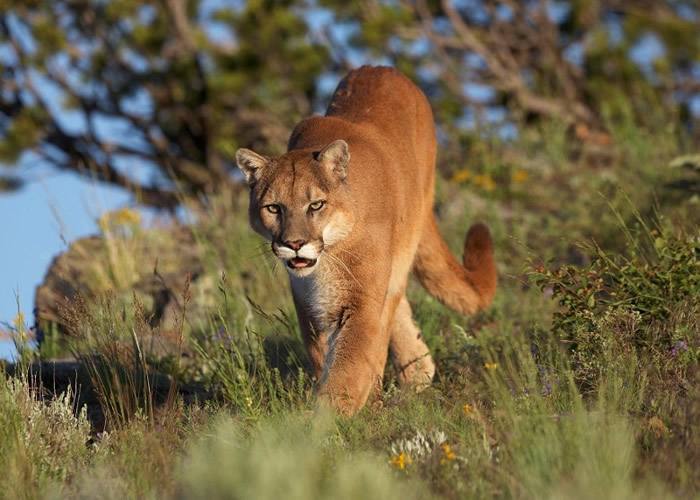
(317, 205)
(273, 209)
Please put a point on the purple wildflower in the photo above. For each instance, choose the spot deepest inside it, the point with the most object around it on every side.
(679, 347)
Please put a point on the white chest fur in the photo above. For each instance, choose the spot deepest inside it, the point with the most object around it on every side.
(315, 296)
(320, 300)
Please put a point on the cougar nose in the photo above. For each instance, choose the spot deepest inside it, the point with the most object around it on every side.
(294, 245)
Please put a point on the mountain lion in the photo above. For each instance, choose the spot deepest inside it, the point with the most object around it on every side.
(348, 210)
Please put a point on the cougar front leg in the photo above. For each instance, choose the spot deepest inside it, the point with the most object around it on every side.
(315, 341)
(354, 365)
(409, 353)
(317, 348)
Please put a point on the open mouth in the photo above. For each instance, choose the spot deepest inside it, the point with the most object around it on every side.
(300, 263)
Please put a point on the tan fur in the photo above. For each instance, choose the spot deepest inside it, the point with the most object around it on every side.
(369, 164)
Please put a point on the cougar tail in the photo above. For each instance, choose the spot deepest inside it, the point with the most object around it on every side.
(464, 288)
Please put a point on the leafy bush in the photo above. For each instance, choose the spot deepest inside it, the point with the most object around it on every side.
(624, 308)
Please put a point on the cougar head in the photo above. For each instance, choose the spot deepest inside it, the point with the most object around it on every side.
(300, 202)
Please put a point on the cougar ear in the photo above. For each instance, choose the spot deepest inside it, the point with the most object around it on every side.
(335, 157)
(251, 164)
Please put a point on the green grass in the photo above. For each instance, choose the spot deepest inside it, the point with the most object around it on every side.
(580, 382)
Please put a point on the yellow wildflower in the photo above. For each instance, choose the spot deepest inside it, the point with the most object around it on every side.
(401, 461)
(468, 409)
(461, 175)
(490, 366)
(447, 453)
(485, 182)
(519, 176)
(122, 217)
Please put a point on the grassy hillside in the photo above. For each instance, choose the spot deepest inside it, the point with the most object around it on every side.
(580, 382)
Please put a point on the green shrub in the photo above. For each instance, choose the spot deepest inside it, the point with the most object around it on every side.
(635, 308)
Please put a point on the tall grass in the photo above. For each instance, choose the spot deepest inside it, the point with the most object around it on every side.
(42, 443)
(256, 368)
(113, 346)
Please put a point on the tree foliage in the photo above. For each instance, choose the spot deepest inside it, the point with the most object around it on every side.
(151, 95)
(155, 95)
(572, 61)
